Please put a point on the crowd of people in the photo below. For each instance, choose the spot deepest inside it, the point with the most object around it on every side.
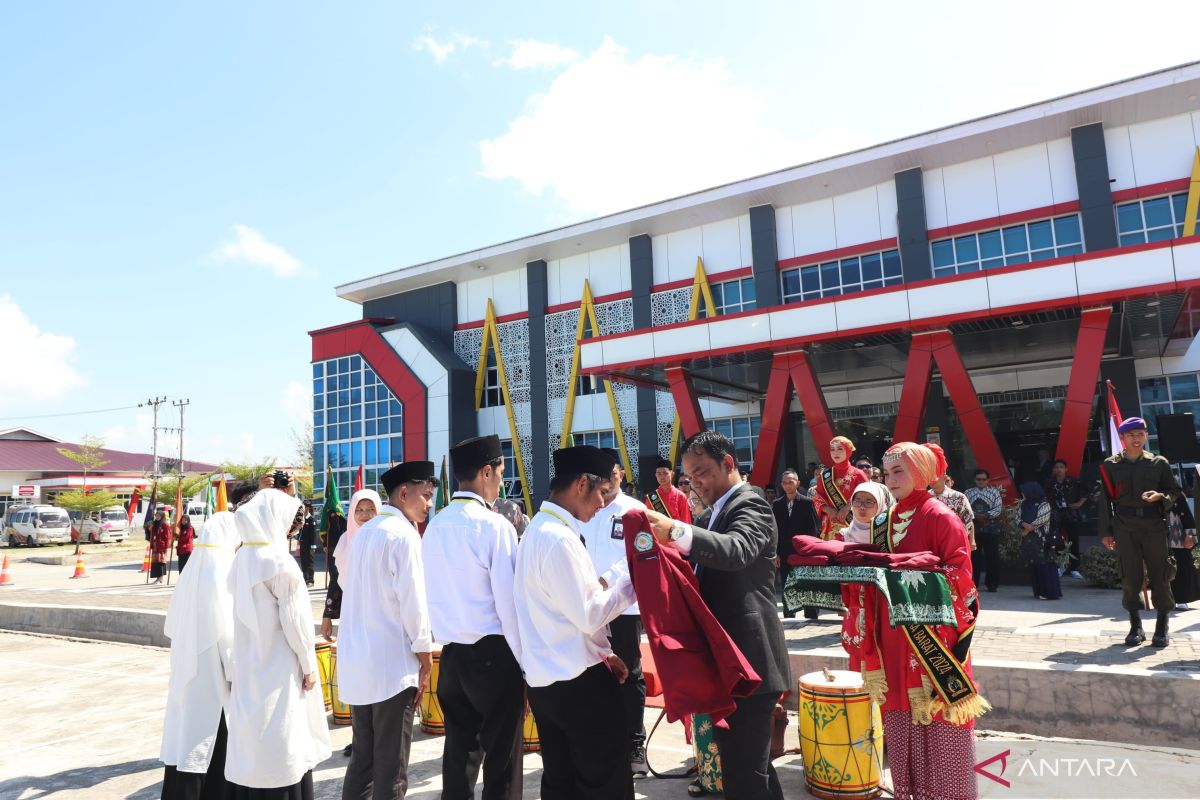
(541, 612)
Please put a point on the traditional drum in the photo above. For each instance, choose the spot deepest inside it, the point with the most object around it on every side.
(432, 720)
(841, 736)
(708, 759)
(325, 670)
(341, 711)
(530, 743)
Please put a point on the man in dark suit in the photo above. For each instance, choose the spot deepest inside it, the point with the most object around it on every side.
(733, 546)
(794, 514)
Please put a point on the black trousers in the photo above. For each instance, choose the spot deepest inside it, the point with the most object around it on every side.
(382, 733)
(481, 692)
(183, 559)
(581, 724)
(746, 750)
(986, 558)
(306, 562)
(199, 785)
(625, 636)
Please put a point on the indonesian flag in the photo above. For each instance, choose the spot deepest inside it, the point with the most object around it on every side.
(1114, 421)
(358, 479)
(134, 501)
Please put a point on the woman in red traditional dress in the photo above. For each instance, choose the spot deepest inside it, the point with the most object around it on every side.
(835, 485)
(923, 672)
(160, 546)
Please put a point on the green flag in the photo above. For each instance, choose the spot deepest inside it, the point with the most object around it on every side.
(333, 500)
(210, 500)
(443, 490)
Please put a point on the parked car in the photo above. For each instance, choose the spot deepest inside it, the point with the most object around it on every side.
(35, 525)
(108, 525)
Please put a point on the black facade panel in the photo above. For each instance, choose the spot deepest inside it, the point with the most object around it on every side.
(912, 234)
(464, 423)
(641, 267)
(433, 308)
(764, 250)
(1095, 193)
(1125, 385)
(539, 460)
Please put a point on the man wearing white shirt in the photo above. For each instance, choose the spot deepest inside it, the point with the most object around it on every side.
(563, 612)
(470, 553)
(605, 542)
(385, 640)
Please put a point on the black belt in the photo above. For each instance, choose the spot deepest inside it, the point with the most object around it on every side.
(1140, 511)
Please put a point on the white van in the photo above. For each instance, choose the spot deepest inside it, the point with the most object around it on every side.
(109, 525)
(35, 525)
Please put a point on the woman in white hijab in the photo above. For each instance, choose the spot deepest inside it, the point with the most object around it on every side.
(277, 728)
(200, 626)
(868, 501)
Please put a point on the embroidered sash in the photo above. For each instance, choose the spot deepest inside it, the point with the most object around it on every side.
(832, 491)
(658, 505)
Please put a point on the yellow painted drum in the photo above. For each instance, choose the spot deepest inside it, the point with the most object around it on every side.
(530, 743)
(325, 670)
(341, 711)
(432, 719)
(841, 736)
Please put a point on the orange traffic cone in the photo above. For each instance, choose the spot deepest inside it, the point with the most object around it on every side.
(5, 578)
(80, 572)
(146, 561)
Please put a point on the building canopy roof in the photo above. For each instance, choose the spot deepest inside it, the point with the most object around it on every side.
(23, 450)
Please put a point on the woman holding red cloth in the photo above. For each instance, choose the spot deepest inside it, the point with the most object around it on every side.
(160, 546)
(922, 673)
(185, 541)
(835, 486)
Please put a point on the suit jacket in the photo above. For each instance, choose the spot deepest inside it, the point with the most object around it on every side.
(801, 520)
(736, 555)
(699, 666)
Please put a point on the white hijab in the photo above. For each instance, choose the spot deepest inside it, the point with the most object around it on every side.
(201, 611)
(263, 525)
(352, 526)
(856, 532)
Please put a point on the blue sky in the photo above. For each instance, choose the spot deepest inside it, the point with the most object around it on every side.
(184, 185)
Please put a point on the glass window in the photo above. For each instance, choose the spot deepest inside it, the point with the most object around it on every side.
(1152, 219)
(1174, 394)
(834, 278)
(743, 433)
(1184, 387)
(1015, 244)
(730, 297)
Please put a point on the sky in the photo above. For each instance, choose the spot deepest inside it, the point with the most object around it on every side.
(183, 185)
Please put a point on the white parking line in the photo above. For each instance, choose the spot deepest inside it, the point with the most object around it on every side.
(115, 726)
(84, 670)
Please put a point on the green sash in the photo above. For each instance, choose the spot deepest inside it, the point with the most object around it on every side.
(832, 491)
(658, 505)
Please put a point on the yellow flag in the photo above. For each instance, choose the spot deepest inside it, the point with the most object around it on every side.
(222, 498)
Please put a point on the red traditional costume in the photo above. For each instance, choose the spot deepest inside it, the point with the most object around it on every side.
(835, 486)
(921, 674)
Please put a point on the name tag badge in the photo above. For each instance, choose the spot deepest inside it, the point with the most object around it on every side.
(618, 529)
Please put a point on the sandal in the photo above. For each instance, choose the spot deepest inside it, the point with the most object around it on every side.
(696, 789)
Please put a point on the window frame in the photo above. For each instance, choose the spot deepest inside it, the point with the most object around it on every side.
(841, 267)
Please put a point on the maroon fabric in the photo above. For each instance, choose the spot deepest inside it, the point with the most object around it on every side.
(809, 561)
(930, 762)
(923, 560)
(700, 667)
(187, 537)
(814, 552)
(160, 539)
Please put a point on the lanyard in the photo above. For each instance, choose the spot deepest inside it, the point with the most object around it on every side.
(468, 500)
(564, 522)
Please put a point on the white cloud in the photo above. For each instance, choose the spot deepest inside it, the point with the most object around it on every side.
(251, 247)
(612, 132)
(53, 357)
(442, 50)
(134, 437)
(532, 54)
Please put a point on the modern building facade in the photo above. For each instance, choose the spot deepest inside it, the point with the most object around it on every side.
(972, 285)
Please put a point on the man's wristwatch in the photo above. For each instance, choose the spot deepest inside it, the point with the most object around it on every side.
(677, 531)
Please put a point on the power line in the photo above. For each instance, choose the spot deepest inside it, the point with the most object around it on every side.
(69, 413)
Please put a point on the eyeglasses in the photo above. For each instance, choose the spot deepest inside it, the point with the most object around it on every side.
(863, 503)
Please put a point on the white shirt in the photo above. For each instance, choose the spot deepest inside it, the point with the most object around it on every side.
(684, 543)
(470, 555)
(385, 621)
(608, 553)
(562, 611)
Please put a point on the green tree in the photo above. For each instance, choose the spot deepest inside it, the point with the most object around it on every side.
(88, 454)
(248, 470)
(87, 502)
(191, 487)
(303, 459)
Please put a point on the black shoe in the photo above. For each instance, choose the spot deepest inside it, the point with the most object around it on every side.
(349, 749)
(1162, 636)
(637, 762)
(1136, 634)
(811, 613)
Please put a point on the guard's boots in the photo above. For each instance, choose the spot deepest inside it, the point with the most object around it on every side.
(1162, 636)
(1136, 634)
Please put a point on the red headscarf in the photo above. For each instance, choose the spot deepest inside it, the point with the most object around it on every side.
(840, 469)
(940, 455)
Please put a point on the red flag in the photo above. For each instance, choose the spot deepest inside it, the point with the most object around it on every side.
(134, 500)
(358, 479)
(1114, 421)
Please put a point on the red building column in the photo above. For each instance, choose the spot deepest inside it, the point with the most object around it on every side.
(812, 400)
(1081, 391)
(966, 402)
(691, 420)
(915, 391)
(774, 415)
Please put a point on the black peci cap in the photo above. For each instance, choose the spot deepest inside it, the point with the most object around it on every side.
(408, 472)
(582, 459)
(473, 453)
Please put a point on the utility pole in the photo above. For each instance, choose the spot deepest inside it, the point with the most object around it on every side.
(154, 403)
(181, 405)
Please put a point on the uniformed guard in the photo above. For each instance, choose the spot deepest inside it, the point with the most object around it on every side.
(1140, 487)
